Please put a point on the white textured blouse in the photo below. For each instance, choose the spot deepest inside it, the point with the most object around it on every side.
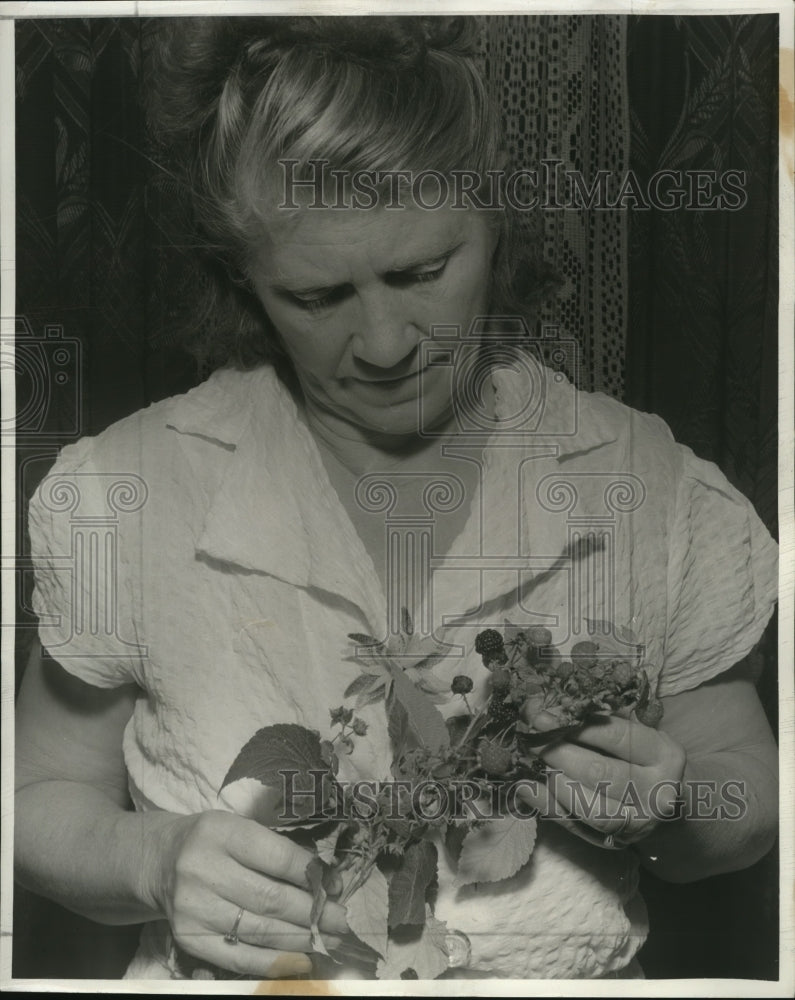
(198, 550)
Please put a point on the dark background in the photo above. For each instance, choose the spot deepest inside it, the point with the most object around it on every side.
(96, 255)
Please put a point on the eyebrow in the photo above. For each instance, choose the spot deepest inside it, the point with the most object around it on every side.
(399, 268)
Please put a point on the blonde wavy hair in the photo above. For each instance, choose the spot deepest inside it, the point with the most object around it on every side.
(232, 97)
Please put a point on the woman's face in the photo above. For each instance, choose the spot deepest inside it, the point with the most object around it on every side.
(353, 293)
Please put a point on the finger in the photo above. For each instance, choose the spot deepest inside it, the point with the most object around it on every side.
(625, 739)
(544, 721)
(278, 935)
(270, 853)
(266, 963)
(268, 897)
(592, 769)
(607, 815)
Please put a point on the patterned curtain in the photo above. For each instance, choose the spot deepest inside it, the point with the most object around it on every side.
(561, 85)
(702, 352)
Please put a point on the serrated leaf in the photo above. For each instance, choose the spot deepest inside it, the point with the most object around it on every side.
(397, 723)
(362, 639)
(454, 840)
(326, 846)
(274, 749)
(496, 850)
(360, 683)
(422, 949)
(371, 695)
(367, 911)
(424, 720)
(315, 873)
(409, 883)
(457, 726)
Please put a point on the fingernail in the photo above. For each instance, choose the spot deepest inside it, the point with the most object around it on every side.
(545, 721)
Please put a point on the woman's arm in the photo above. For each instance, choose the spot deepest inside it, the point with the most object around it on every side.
(77, 842)
(731, 751)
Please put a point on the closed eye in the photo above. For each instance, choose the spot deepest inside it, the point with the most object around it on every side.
(401, 279)
(323, 298)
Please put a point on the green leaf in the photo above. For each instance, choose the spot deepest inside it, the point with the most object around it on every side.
(424, 720)
(409, 883)
(421, 949)
(615, 639)
(496, 850)
(373, 694)
(360, 683)
(274, 749)
(315, 873)
(457, 726)
(327, 846)
(367, 911)
(454, 839)
(397, 723)
(362, 639)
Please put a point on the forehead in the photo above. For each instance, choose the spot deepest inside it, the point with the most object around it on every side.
(382, 238)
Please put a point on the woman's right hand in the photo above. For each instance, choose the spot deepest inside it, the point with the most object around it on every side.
(205, 867)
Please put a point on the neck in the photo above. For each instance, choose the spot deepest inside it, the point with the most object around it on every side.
(361, 450)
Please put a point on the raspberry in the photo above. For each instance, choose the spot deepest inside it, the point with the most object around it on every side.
(622, 673)
(360, 727)
(584, 653)
(501, 681)
(494, 758)
(539, 636)
(489, 642)
(502, 711)
(461, 684)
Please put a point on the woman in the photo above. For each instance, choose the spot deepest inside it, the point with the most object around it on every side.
(250, 539)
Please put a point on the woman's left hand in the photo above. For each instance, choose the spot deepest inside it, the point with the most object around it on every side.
(615, 777)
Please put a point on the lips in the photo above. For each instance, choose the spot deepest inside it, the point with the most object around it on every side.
(389, 381)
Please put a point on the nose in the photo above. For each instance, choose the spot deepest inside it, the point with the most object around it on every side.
(384, 337)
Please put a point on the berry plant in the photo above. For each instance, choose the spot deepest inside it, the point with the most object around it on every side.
(451, 780)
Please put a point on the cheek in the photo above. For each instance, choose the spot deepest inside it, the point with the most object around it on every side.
(312, 345)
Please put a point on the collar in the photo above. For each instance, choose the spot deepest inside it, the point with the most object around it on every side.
(275, 511)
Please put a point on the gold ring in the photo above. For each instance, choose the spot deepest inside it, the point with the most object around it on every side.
(231, 936)
(610, 841)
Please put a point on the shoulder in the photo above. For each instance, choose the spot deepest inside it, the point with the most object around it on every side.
(216, 411)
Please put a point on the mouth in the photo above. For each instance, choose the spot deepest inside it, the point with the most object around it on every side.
(387, 382)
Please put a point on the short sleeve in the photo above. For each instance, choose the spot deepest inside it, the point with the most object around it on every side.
(84, 580)
(722, 578)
